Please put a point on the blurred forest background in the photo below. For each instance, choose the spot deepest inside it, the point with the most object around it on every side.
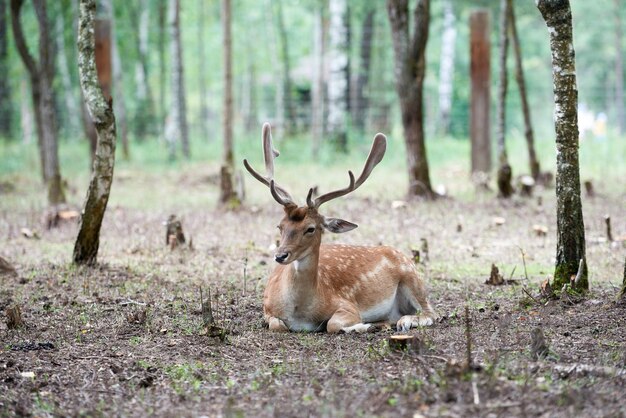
(284, 72)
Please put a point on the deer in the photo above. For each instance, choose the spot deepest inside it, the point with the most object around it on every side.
(343, 288)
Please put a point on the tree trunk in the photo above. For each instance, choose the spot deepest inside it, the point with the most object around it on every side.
(535, 169)
(179, 107)
(446, 68)
(287, 100)
(203, 121)
(249, 100)
(505, 173)
(361, 101)
(319, 79)
(145, 114)
(480, 96)
(410, 65)
(162, 67)
(119, 104)
(619, 69)
(41, 76)
(69, 94)
(570, 226)
(6, 108)
(339, 77)
(88, 239)
(227, 191)
(26, 114)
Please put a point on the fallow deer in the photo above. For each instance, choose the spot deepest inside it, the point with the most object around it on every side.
(345, 288)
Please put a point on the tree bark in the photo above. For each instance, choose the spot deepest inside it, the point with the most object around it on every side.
(180, 129)
(339, 77)
(410, 65)
(319, 79)
(6, 108)
(505, 173)
(227, 191)
(119, 104)
(623, 292)
(535, 169)
(570, 226)
(286, 91)
(446, 68)
(162, 67)
(202, 71)
(361, 101)
(619, 69)
(69, 93)
(94, 207)
(144, 117)
(41, 77)
(480, 95)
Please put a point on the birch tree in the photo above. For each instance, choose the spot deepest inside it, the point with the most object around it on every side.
(6, 108)
(446, 68)
(505, 189)
(179, 131)
(361, 101)
(410, 65)
(94, 207)
(144, 117)
(68, 91)
(339, 76)
(41, 74)
(570, 247)
(619, 68)
(318, 89)
(533, 160)
(286, 90)
(203, 114)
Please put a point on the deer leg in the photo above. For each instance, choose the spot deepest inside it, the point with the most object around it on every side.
(346, 320)
(414, 291)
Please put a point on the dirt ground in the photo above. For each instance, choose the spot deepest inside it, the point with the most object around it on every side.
(126, 338)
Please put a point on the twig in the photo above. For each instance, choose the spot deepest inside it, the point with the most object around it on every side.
(129, 301)
(524, 262)
(475, 389)
(529, 294)
(468, 337)
(512, 273)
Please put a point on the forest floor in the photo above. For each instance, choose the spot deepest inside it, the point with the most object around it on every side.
(125, 338)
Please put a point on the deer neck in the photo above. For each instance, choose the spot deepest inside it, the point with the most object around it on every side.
(304, 274)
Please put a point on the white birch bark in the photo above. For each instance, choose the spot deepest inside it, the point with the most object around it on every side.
(446, 67)
(339, 76)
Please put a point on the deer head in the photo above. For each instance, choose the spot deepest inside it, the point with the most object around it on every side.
(302, 226)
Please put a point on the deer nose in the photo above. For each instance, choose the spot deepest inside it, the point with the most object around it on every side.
(280, 257)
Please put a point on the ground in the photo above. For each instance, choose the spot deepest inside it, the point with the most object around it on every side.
(126, 337)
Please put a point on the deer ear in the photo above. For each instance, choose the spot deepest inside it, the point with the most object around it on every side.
(338, 226)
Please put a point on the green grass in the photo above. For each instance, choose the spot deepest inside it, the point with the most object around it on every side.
(448, 159)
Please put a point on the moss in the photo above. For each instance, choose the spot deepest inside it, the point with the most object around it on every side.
(564, 272)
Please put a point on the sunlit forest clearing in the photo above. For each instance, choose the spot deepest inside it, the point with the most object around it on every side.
(171, 307)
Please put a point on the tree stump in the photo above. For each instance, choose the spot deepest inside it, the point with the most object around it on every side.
(6, 269)
(174, 235)
(14, 317)
(505, 189)
(404, 342)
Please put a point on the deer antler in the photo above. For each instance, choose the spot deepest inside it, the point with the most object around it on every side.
(377, 152)
(269, 153)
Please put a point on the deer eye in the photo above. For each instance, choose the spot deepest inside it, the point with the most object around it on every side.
(310, 230)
